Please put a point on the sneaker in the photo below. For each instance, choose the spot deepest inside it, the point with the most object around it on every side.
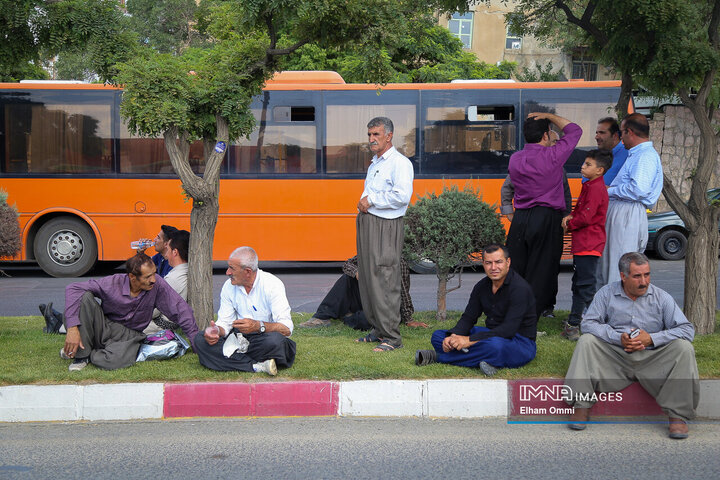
(571, 332)
(487, 369)
(78, 364)
(548, 313)
(315, 322)
(268, 366)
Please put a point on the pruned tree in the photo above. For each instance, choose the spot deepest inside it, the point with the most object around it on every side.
(447, 229)
(669, 47)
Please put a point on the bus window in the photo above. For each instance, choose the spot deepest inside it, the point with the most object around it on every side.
(468, 140)
(57, 138)
(346, 148)
(276, 149)
(148, 155)
(294, 114)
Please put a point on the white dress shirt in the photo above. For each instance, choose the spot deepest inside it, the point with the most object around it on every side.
(389, 184)
(266, 302)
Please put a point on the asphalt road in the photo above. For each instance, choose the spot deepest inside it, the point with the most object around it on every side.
(355, 448)
(306, 285)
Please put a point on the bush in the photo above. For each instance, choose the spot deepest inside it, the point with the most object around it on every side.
(447, 229)
(9, 228)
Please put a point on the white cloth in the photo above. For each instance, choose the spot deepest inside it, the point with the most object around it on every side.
(266, 302)
(641, 177)
(389, 184)
(177, 279)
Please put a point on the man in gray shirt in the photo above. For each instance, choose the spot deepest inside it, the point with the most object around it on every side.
(634, 331)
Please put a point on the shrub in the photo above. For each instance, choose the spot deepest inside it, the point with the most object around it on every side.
(9, 228)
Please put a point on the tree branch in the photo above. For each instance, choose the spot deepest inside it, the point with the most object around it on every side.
(214, 161)
(178, 149)
(676, 203)
(585, 21)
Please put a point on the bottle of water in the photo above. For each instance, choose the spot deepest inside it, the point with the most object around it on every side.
(142, 244)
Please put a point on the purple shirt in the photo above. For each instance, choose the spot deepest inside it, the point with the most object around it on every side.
(537, 171)
(131, 312)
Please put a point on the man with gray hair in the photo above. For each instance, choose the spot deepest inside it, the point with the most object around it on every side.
(253, 326)
(634, 331)
(380, 235)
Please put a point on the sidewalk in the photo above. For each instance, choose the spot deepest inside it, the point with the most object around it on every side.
(516, 400)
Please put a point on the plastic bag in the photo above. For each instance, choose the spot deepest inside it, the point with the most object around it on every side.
(161, 346)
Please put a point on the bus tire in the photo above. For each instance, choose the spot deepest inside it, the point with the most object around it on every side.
(65, 247)
(423, 267)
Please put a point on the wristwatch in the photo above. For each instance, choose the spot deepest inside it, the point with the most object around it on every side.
(262, 327)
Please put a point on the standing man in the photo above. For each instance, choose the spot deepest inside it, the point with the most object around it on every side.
(607, 136)
(380, 235)
(109, 334)
(535, 236)
(635, 331)
(253, 326)
(635, 189)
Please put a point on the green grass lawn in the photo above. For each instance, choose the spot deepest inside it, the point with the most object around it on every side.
(28, 356)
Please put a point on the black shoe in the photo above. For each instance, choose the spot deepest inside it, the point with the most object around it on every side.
(548, 313)
(487, 369)
(52, 321)
(425, 357)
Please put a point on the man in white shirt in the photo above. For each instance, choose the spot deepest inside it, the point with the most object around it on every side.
(380, 235)
(176, 252)
(253, 325)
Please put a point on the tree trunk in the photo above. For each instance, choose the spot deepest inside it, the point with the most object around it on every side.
(441, 315)
(203, 220)
(701, 271)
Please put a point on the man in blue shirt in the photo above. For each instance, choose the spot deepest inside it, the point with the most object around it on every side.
(635, 189)
(607, 136)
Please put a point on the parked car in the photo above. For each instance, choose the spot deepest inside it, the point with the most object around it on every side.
(667, 235)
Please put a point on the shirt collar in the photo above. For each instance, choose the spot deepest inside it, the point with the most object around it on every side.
(126, 285)
(384, 156)
(618, 290)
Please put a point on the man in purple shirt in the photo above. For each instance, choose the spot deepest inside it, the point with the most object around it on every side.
(535, 236)
(109, 335)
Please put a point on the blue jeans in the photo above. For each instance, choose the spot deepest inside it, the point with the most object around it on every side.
(497, 351)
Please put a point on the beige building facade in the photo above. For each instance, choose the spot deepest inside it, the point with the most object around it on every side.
(483, 32)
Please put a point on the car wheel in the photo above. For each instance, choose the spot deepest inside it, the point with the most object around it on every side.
(423, 267)
(65, 247)
(671, 245)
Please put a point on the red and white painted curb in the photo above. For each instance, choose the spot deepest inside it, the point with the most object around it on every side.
(467, 398)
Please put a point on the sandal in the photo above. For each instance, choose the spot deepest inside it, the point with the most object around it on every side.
(386, 347)
(369, 338)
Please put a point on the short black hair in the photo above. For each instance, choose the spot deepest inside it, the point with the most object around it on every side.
(494, 247)
(180, 239)
(535, 128)
(167, 230)
(134, 264)
(603, 158)
(613, 125)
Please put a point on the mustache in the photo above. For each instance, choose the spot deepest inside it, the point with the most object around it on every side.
(374, 142)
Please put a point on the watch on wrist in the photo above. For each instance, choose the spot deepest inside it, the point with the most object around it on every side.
(262, 327)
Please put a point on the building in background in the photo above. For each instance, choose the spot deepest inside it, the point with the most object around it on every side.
(483, 31)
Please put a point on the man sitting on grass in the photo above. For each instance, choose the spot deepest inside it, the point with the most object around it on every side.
(508, 339)
(253, 326)
(109, 335)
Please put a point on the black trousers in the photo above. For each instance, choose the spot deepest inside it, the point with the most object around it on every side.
(343, 302)
(535, 241)
(583, 285)
(263, 346)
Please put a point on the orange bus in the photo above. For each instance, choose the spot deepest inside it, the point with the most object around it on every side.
(85, 187)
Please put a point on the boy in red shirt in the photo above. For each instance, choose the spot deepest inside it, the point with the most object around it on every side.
(587, 224)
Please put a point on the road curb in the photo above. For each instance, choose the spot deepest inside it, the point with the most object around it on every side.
(467, 398)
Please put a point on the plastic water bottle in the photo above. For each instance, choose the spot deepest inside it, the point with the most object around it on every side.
(213, 330)
(142, 244)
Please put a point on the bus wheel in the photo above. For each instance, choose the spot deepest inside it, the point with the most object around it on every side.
(423, 266)
(65, 247)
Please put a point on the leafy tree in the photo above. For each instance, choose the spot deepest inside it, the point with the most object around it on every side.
(35, 30)
(205, 93)
(9, 228)
(668, 47)
(169, 26)
(424, 52)
(447, 229)
(541, 74)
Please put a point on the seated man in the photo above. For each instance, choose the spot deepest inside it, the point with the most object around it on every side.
(634, 331)
(160, 259)
(109, 335)
(508, 339)
(176, 252)
(343, 301)
(252, 303)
